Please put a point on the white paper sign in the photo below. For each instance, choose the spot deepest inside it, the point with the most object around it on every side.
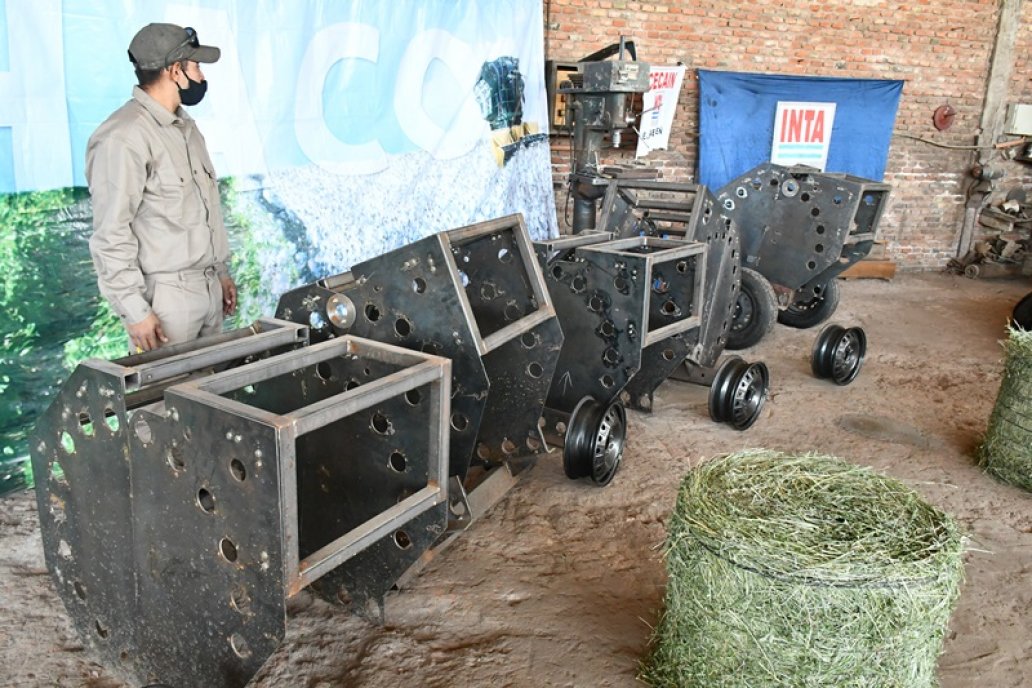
(660, 105)
(802, 134)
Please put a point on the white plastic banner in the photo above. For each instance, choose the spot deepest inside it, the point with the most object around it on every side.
(660, 105)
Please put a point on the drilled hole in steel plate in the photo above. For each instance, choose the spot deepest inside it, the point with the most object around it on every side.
(578, 284)
(430, 348)
(607, 381)
(372, 313)
(488, 291)
(80, 590)
(419, 285)
(607, 328)
(533, 444)
(560, 427)
(367, 372)
(205, 500)
(228, 550)
(528, 340)
(774, 182)
(668, 354)
(815, 212)
(86, 424)
(457, 507)
(483, 451)
(669, 308)
(682, 266)
(174, 456)
(397, 461)
(508, 446)
(596, 303)
(756, 183)
(250, 389)
(240, 599)
(380, 423)
(237, 469)
(741, 192)
(402, 327)
(819, 248)
(512, 312)
(323, 370)
(504, 255)
(557, 271)
(57, 473)
(111, 419)
(810, 265)
(820, 229)
(868, 200)
(837, 200)
(459, 422)
(621, 284)
(729, 204)
(351, 384)
(413, 397)
(402, 539)
(67, 443)
(102, 631)
(240, 647)
(611, 355)
(464, 278)
(143, 430)
(804, 197)
(535, 370)
(123, 655)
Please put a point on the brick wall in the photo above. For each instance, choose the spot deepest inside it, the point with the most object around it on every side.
(940, 48)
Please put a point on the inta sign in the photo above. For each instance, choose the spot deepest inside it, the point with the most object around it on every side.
(802, 134)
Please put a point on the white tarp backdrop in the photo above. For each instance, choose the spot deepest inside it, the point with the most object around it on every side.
(361, 118)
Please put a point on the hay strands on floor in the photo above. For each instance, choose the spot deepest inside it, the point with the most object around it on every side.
(803, 571)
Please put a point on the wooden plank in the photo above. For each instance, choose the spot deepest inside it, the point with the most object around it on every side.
(871, 269)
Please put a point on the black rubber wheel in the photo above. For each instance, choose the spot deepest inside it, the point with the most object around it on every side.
(738, 392)
(1022, 316)
(838, 353)
(755, 311)
(595, 441)
(806, 313)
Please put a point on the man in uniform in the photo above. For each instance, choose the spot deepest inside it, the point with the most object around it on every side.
(159, 243)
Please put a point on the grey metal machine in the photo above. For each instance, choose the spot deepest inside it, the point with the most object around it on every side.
(600, 97)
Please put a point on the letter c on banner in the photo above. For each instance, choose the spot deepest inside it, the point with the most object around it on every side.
(468, 125)
(327, 47)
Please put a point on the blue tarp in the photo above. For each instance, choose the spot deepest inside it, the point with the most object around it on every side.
(736, 121)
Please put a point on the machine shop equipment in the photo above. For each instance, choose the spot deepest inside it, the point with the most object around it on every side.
(800, 228)
(690, 212)
(600, 98)
(185, 494)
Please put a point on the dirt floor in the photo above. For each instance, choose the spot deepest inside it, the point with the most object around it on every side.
(558, 585)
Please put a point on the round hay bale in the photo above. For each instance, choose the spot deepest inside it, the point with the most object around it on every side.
(1006, 451)
(803, 571)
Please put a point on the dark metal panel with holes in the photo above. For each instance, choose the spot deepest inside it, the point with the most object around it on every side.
(187, 513)
(801, 227)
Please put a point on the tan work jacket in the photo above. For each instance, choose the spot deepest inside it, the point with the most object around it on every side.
(155, 202)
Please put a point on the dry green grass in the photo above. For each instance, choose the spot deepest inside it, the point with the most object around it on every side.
(803, 571)
(1006, 451)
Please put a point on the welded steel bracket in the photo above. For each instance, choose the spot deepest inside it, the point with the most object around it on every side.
(689, 212)
(621, 302)
(801, 227)
(475, 295)
(185, 494)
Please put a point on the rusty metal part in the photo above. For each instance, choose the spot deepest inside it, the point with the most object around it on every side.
(186, 493)
(943, 116)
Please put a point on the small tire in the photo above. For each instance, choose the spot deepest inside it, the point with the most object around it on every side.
(755, 313)
(1022, 315)
(805, 314)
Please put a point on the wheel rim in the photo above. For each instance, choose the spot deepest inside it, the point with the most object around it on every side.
(838, 353)
(745, 307)
(595, 441)
(738, 393)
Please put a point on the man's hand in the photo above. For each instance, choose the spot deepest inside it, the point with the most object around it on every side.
(147, 334)
(229, 295)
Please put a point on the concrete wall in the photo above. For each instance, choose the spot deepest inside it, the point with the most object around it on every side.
(941, 49)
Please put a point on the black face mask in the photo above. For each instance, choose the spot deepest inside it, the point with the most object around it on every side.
(194, 92)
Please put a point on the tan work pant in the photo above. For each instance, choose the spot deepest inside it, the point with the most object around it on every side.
(188, 304)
